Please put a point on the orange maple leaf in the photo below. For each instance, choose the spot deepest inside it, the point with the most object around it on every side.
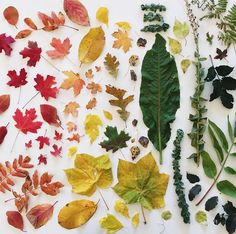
(71, 108)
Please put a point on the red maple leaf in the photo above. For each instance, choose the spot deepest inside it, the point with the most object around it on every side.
(5, 42)
(33, 52)
(61, 48)
(57, 136)
(45, 86)
(43, 141)
(17, 80)
(25, 123)
(57, 151)
(28, 144)
(42, 159)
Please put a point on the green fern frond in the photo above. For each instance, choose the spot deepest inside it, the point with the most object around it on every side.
(231, 16)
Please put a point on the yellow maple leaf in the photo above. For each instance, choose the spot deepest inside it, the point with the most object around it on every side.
(91, 124)
(71, 108)
(89, 173)
(123, 41)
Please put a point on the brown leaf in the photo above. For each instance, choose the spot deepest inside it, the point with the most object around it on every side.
(49, 114)
(75, 137)
(14, 218)
(4, 103)
(112, 65)
(23, 34)
(91, 104)
(89, 74)
(11, 15)
(71, 108)
(94, 87)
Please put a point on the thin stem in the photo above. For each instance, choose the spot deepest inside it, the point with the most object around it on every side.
(55, 203)
(18, 101)
(122, 154)
(30, 100)
(144, 218)
(214, 67)
(50, 63)
(67, 26)
(15, 141)
(71, 61)
(103, 199)
(217, 177)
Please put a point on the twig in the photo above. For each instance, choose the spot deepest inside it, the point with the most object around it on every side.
(144, 218)
(103, 199)
(30, 100)
(50, 63)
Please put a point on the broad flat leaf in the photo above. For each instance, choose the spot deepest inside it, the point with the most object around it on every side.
(224, 70)
(142, 183)
(115, 141)
(201, 217)
(181, 30)
(120, 102)
(229, 83)
(194, 191)
(159, 94)
(211, 74)
(17, 80)
(166, 215)
(71, 108)
(5, 44)
(23, 34)
(102, 15)
(76, 12)
(124, 25)
(111, 224)
(192, 178)
(29, 22)
(226, 188)
(135, 220)
(4, 102)
(92, 45)
(3, 133)
(122, 208)
(175, 46)
(185, 63)
(208, 164)
(89, 173)
(108, 115)
(122, 40)
(211, 203)
(230, 170)
(15, 219)
(11, 15)
(49, 114)
(112, 65)
(39, 215)
(76, 213)
(91, 124)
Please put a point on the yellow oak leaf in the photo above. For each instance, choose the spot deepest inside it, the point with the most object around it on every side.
(124, 25)
(72, 151)
(122, 208)
(91, 124)
(142, 183)
(102, 15)
(71, 108)
(76, 213)
(111, 224)
(89, 173)
(175, 46)
(123, 41)
(108, 115)
(135, 220)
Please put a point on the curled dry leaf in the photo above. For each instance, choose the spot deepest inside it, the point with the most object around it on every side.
(11, 15)
(76, 12)
(39, 215)
(76, 213)
(92, 45)
(3, 133)
(4, 103)
(49, 114)
(15, 219)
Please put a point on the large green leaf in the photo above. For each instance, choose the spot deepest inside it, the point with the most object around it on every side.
(227, 188)
(159, 94)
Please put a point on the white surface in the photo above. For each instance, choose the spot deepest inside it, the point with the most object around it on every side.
(121, 10)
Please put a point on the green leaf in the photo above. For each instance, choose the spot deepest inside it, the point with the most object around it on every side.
(115, 141)
(216, 144)
(208, 164)
(230, 170)
(221, 135)
(230, 130)
(224, 70)
(235, 125)
(181, 30)
(227, 188)
(211, 74)
(175, 46)
(233, 154)
(159, 94)
(111, 224)
(201, 217)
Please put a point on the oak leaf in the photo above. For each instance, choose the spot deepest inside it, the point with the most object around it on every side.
(112, 65)
(122, 40)
(94, 87)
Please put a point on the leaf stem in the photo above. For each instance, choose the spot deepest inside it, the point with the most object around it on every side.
(30, 100)
(217, 177)
(51, 64)
(214, 67)
(103, 199)
(15, 141)
(18, 101)
(144, 218)
(67, 26)
(122, 154)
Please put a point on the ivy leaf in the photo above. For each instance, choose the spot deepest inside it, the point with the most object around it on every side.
(122, 40)
(175, 46)
(5, 44)
(221, 54)
(89, 173)
(224, 70)
(181, 30)
(142, 183)
(112, 65)
(194, 191)
(115, 141)
(111, 224)
(192, 178)
(208, 164)
(102, 15)
(227, 188)
(211, 203)
(230, 170)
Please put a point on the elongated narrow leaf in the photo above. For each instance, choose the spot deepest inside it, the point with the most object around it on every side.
(230, 170)
(230, 130)
(220, 135)
(208, 164)
(159, 95)
(216, 144)
(227, 188)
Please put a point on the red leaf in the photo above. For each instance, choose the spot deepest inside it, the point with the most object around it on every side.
(17, 80)
(25, 123)
(33, 52)
(45, 86)
(52, 189)
(76, 12)
(43, 141)
(49, 114)
(61, 48)
(23, 34)
(57, 151)
(3, 133)
(5, 42)
(40, 215)
(30, 23)
(28, 144)
(11, 15)
(4, 103)
(42, 159)
(15, 219)
(58, 136)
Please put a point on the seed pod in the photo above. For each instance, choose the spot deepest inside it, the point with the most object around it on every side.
(141, 42)
(144, 141)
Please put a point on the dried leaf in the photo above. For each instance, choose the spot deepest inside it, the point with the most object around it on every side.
(201, 217)
(122, 208)
(23, 34)
(56, 151)
(5, 44)
(181, 30)
(94, 87)
(185, 63)
(49, 114)
(123, 41)
(71, 108)
(175, 46)
(102, 15)
(71, 127)
(72, 151)
(91, 104)
(76, 213)
(92, 45)
(17, 80)
(112, 65)
(3, 133)
(108, 115)
(11, 15)
(29, 22)
(135, 220)
(4, 103)
(124, 25)
(75, 137)
(15, 219)
(111, 224)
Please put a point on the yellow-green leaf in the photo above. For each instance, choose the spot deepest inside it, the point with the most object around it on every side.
(175, 46)
(122, 208)
(111, 224)
(185, 63)
(201, 217)
(108, 115)
(124, 25)
(166, 215)
(181, 30)
(72, 151)
(91, 124)
(92, 45)
(89, 173)
(76, 213)
(135, 220)
(102, 15)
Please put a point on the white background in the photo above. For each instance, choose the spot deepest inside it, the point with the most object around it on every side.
(121, 10)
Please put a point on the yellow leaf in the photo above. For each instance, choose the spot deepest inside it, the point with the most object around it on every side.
(91, 124)
(92, 45)
(102, 15)
(76, 213)
(124, 25)
(181, 30)
(89, 173)
(108, 115)
(72, 151)
(111, 224)
(135, 220)
(122, 208)
(122, 40)
(185, 63)
(175, 46)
